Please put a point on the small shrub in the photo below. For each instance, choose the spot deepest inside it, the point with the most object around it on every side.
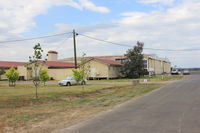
(43, 76)
(13, 75)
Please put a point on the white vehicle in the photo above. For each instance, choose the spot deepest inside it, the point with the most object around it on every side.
(175, 72)
(186, 72)
(69, 81)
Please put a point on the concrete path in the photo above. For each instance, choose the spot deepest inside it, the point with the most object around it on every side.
(172, 109)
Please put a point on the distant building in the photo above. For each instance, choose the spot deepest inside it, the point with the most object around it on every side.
(57, 69)
(152, 64)
(101, 67)
(5, 65)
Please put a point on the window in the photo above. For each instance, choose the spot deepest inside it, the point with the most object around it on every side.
(122, 60)
(145, 64)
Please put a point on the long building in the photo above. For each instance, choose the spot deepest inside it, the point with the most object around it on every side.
(101, 67)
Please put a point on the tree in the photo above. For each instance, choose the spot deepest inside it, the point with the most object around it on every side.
(84, 67)
(133, 66)
(43, 76)
(35, 66)
(2, 71)
(82, 72)
(13, 75)
(78, 75)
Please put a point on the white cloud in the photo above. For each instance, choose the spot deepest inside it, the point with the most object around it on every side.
(17, 16)
(175, 28)
(166, 2)
(89, 5)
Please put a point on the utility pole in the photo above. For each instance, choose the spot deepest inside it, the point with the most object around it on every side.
(75, 58)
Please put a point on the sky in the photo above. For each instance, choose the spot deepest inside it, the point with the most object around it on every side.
(160, 24)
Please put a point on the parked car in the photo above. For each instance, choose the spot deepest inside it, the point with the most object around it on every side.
(186, 72)
(175, 72)
(70, 81)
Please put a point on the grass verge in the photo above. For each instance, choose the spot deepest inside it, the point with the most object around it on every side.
(158, 78)
(57, 106)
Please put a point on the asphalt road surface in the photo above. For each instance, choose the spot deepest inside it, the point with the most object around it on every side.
(172, 109)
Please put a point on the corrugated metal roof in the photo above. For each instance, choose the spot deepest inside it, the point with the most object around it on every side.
(8, 64)
(111, 62)
(54, 64)
(59, 64)
(51, 51)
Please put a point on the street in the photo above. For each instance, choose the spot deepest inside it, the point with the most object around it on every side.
(172, 109)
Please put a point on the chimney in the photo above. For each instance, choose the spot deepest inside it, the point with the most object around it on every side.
(52, 55)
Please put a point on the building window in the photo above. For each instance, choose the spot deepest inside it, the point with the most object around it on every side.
(145, 64)
(122, 60)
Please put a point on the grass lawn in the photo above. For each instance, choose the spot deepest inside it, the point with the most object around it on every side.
(57, 106)
(151, 79)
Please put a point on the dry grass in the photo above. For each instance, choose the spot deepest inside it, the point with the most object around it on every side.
(158, 78)
(58, 107)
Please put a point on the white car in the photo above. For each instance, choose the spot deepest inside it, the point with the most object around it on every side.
(175, 72)
(186, 72)
(69, 81)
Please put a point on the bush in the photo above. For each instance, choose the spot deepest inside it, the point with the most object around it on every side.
(78, 75)
(43, 76)
(13, 75)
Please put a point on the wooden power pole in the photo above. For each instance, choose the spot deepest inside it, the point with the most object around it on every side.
(75, 58)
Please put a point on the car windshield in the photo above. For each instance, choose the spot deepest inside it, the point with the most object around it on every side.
(69, 78)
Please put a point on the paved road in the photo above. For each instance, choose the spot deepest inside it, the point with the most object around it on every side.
(173, 109)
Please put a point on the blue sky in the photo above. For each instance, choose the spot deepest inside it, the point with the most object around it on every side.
(161, 24)
(72, 16)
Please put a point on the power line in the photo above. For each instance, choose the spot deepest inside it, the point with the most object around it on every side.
(175, 50)
(125, 45)
(105, 41)
(19, 40)
(60, 44)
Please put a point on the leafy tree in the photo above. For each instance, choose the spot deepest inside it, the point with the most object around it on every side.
(43, 76)
(34, 60)
(2, 71)
(12, 75)
(82, 72)
(133, 66)
(84, 67)
(78, 75)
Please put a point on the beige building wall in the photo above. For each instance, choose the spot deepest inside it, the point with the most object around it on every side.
(56, 73)
(114, 71)
(60, 73)
(52, 57)
(22, 71)
(3, 77)
(98, 69)
(159, 66)
(167, 67)
(103, 70)
(151, 64)
(27, 72)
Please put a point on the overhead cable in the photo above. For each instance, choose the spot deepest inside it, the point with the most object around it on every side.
(34, 38)
(126, 45)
